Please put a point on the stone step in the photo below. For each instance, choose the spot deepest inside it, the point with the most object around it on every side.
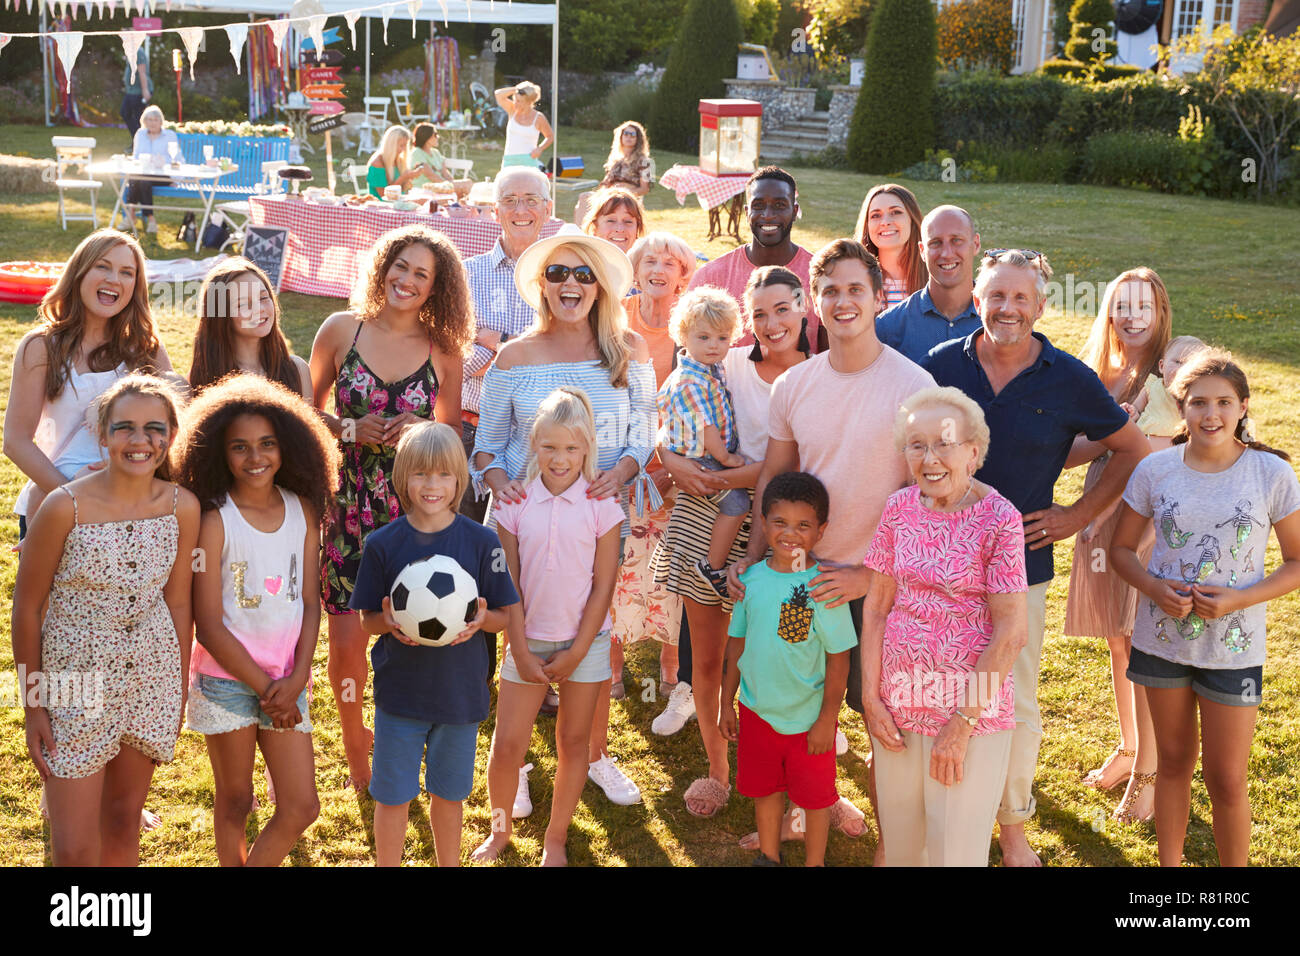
(803, 126)
(806, 144)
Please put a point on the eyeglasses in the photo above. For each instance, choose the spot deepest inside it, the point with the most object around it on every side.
(1029, 254)
(514, 202)
(918, 449)
(581, 274)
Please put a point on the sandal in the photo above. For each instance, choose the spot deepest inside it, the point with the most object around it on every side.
(1094, 778)
(1124, 812)
(712, 793)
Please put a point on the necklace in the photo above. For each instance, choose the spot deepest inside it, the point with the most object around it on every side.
(957, 507)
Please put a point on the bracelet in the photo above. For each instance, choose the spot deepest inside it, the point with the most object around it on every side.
(970, 721)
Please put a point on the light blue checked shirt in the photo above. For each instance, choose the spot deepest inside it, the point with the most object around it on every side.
(693, 397)
(497, 305)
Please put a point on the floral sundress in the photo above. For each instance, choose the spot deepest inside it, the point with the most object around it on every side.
(366, 499)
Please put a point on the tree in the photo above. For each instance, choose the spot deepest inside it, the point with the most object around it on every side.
(977, 34)
(893, 122)
(1255, 79)
(1092, 32)
(703, 56)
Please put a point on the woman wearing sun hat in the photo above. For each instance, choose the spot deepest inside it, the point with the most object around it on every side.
(576, 283)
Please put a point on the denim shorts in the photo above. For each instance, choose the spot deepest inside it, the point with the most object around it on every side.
(593, 669)
(1240, 687)
(733, 502)
(400, 742)
(219, 705)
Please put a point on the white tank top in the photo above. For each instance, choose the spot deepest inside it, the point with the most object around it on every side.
(521, 139)
(261, 589)
(750, 398)
(66, 432)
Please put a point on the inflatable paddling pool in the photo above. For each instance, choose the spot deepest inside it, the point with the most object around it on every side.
(26, 283)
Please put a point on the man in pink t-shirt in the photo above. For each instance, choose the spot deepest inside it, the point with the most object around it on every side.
(772, 204)
(833, 416)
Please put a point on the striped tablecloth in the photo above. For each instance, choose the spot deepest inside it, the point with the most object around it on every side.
(328, 244)
(709, 190)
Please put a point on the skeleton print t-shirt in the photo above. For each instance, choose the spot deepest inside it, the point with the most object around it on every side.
(1211, 529)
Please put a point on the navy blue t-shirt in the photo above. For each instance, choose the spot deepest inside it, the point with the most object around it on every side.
(443, 685)
(914, 326)
(1032, 423)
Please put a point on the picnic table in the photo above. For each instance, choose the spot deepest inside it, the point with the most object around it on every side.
(713, 192)
(202, 178)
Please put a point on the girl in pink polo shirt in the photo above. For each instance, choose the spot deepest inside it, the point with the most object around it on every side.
(562, 547)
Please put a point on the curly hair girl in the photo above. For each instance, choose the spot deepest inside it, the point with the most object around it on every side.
(309, 456)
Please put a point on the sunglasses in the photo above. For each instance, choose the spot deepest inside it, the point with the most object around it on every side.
(581, 274)
(1027, 253)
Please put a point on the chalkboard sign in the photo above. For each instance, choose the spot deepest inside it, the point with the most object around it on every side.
(265, 246)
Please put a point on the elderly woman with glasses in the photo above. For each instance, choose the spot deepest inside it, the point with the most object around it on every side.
(576, 283)
(944, 620)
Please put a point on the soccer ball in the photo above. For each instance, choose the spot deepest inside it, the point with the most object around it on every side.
(433, 600)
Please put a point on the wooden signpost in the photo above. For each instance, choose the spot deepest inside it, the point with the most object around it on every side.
(322, 86)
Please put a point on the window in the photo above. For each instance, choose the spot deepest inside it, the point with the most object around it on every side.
(1018, 43)
(1187, 13)
(1224, 13)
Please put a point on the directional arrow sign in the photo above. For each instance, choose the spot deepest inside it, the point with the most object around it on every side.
(325, 122)
(321, 74)
(331, 36)
(324, 108)
(326, 57)
(323, 91)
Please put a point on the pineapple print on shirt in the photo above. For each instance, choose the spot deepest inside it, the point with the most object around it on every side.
(796, 616)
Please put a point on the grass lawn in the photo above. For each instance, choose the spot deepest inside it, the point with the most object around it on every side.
(1230, 269)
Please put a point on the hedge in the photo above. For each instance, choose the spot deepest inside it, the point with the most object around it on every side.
(703, 56)
(891, 126)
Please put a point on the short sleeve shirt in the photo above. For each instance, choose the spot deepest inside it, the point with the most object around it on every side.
(731, 273)
(694, 397)
(557, 537)
(787, 637)
(944, 567)
(442, 685)
(1210, 529)
(915, 326)
(1032, 423)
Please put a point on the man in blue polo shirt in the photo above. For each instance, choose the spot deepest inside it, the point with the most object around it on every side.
(1036, 399)
(943, 309)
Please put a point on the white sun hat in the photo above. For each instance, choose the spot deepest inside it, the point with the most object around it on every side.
(614, 260)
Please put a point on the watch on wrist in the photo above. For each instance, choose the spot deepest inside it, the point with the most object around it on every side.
(970, 721)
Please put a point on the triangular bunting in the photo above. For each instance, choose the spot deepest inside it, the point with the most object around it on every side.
(388, 12)
(4, 40)
(413, 8)
(278, 29)
(191, 37)
(316, 30)
(69, 46)
(443, 4)
(351, 16)
(131, 40)
(238, 33)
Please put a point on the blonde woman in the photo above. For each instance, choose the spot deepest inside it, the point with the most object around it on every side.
(389, 165)
(525, 125)
(576, 283)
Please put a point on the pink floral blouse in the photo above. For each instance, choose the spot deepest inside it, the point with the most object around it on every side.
(944, 566)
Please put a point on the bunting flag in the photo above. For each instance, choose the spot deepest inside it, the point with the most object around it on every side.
(278, 29)
(191, 37)
(413, 8)
(388, 12)
(316, 30)
(238, 33)
(351, 16)
(4, 40)
(443, 4)
(131, 40)
(69, 46)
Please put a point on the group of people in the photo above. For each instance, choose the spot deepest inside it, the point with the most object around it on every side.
(815, 478)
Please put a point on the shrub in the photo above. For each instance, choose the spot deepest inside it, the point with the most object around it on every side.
(631, 100)
(1087, 18)
(976, 34)
(703, 56)
(984, 107)
(1071, 68)
(1048, 163)
(940, 165)
(758, 20)
(1105, 72)
(893, 123)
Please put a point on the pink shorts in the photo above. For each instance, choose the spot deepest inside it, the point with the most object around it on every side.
(768, 762)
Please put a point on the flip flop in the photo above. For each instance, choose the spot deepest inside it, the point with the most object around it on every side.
(706, 790)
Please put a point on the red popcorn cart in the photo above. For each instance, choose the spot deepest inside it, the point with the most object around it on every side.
(730, 131)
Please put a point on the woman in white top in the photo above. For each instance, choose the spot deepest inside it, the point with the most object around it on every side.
(525, 125)
(152, 146)
(96, 327)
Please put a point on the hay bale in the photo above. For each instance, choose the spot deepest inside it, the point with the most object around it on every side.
(22, 174)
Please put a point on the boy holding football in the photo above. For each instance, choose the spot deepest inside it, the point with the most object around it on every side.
(429, 701)
(789, 658)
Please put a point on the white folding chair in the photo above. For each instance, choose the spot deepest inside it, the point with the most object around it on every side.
(375, 123)
(458, 168)
(239, 207)
(402, 106)
(357, 173)
(70, 153)
(350, 131)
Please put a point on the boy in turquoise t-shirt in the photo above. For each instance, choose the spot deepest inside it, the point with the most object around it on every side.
(789, 657)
